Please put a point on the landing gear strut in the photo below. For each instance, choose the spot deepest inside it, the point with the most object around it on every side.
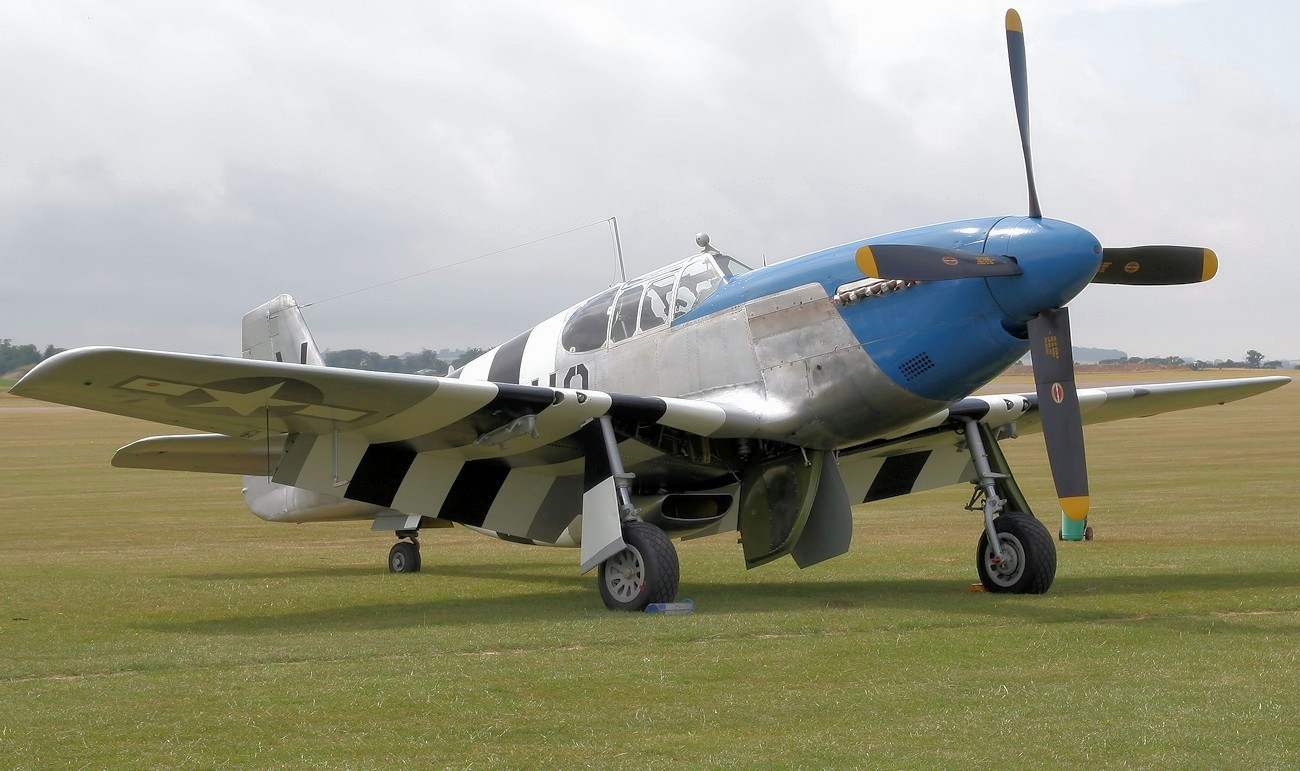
(404, 557)
(1016, 554)
(646, 569)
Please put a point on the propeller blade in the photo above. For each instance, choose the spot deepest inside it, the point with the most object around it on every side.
(1020, 91)
(1058, 403)
(928, 263)
(1156, 265)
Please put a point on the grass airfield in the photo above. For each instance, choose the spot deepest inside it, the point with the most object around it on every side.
(147, 620)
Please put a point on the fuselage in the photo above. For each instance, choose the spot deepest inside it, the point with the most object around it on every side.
(827, 356)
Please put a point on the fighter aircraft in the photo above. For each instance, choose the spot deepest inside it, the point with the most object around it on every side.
(706, 397)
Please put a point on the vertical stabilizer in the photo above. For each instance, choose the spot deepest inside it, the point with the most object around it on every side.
(276, 331)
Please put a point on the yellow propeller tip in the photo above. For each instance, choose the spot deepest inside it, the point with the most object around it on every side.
(1210, 266)
(1013, 21)
(1075, 508)
(867, 262)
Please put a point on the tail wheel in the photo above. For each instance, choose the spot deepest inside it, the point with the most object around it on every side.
(646, 571)
(1028, 563)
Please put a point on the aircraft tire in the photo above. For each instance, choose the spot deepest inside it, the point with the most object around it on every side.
(404, 557)
(1030, 564)
(646, 571)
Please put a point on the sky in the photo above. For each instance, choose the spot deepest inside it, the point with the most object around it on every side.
(167, 167)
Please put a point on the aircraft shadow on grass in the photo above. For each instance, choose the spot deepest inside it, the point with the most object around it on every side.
(272, 575)
(913, 597)
(394, 615)
(505, 571)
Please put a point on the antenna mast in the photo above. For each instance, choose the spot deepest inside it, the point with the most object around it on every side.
(618, 250)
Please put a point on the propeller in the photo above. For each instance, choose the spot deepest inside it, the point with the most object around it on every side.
(1052, 354)
(1156, 265)
(1020, 91)
(1040, 281)
(1050, 348)
(928, 263)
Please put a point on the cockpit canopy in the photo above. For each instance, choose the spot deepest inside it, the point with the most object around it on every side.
(648, 302)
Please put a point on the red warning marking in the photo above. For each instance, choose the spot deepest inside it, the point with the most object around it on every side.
(1131, 267)
(152, 385)
(949, 260)
(1058, 393)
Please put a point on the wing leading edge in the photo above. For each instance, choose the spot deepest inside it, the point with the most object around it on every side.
(248, 398)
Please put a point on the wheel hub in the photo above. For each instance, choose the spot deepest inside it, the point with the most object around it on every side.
(1010, 561)
(1008, 569)
(625, 574)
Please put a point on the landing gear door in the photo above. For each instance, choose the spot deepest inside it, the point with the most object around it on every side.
(775, 499)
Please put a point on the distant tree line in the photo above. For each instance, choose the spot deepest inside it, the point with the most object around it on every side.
(14, 356)
(426, 362)
(1254, 360)
(1160, 361)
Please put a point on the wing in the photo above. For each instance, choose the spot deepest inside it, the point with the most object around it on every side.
(930, 453)
(1102, 405)
(248, 398)
(504, 457)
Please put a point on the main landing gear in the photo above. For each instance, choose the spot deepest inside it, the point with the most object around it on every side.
(646, 571)
(1016, 554)
(404, 557)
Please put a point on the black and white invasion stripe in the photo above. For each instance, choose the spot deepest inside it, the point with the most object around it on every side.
(430, 459)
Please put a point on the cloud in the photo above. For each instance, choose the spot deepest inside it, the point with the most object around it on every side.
(180, 163)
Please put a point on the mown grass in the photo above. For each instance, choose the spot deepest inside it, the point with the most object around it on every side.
(147, 620)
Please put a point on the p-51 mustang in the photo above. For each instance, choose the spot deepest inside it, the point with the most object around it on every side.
(703, 398)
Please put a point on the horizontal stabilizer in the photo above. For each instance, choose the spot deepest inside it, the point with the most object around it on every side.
(213, 453)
